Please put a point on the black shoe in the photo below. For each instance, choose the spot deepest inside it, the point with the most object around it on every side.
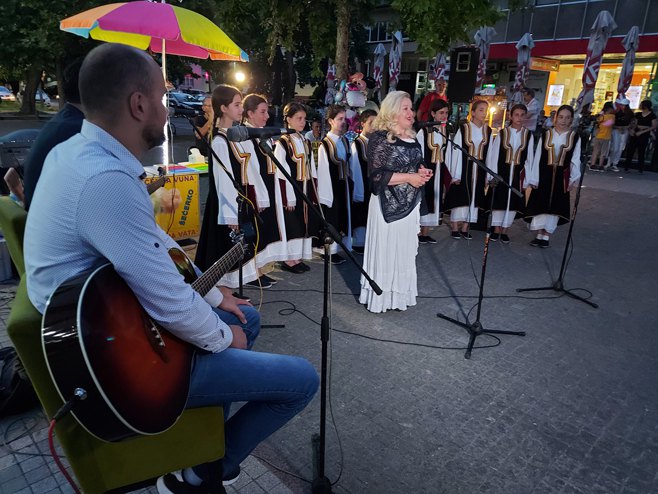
(504, 238)
(429, 240)
(456, 235)
(267, 279)
(466, 235)
(358, 250)
(297, 268)
(173, 483)
(422, 239)
(543, 244)
(536, 242)
(304, 266)
(494, 236)
(259, 283)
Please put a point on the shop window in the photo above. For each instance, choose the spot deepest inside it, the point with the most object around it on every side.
(651, 26)
(543, 23)
(519, 24)
(630, 13)
(547, 2)
(570, 21)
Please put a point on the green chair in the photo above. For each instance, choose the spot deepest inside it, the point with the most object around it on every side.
(197, 437)
(12, 223)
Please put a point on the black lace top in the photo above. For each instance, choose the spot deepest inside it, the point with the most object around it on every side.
(385, 159)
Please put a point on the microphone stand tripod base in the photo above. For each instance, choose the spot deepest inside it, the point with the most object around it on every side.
(558, 286)
(474, 330)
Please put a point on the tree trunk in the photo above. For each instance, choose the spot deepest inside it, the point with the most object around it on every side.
(343, 20)
(32, 81)
(277, 78)
(290, 79)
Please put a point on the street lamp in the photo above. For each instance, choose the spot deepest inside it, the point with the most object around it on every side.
(239, 76)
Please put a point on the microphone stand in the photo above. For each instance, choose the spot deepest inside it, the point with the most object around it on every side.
(328, 233)
(558, 286)
(242, 204)
(476, 328)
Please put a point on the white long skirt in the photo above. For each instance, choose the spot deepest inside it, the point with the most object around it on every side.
(546, 222)
(390, 259)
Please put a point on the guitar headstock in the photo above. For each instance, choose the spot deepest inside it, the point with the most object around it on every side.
(236, 237)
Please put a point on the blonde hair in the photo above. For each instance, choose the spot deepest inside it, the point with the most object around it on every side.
(387, 119)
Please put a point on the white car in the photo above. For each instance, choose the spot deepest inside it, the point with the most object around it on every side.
(6, 94)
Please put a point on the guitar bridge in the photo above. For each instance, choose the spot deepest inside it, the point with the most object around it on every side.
(155, 339)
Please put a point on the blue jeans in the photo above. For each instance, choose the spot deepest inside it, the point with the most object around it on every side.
(275, 387)
(251, 329)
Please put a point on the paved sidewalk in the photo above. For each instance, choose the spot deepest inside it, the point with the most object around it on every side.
(571, 407)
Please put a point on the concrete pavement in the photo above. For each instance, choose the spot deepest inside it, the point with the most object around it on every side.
(570, 407)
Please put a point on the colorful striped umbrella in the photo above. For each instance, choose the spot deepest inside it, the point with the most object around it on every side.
(159, 27)
(601, 30)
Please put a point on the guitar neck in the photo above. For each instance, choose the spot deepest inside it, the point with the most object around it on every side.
(156, 184)
(213, 274)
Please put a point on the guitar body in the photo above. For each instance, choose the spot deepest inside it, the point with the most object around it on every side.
(96, 336)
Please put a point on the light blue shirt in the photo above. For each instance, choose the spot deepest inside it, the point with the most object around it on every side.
(90, 206)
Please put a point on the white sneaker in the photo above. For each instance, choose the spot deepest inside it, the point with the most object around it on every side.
(614, 168)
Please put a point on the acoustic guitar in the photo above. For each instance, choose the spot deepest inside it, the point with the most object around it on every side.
(96, 336)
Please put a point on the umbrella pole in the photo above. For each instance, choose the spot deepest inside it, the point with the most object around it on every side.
(165, 158)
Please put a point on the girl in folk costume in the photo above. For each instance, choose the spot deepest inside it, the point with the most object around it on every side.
(360, 159)
(510, 156)
(221, 213)
(396, 175)
(339, 181)
(555, 171)
(433, 143)
(294, 154)
(261, 174)
(466, 192)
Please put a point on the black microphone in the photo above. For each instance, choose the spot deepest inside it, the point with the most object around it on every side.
(241, 133)
(431, 123)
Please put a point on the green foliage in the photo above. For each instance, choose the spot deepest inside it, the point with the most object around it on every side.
(436, 25)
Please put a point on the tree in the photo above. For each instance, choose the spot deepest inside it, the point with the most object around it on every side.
(437, 25)
(32, 41)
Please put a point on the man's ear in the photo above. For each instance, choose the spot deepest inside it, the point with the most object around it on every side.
(137, 105)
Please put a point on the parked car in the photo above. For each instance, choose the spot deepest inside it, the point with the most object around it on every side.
(6, 94)
(183, 104)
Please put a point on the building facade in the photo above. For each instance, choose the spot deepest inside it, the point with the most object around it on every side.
(561, 30)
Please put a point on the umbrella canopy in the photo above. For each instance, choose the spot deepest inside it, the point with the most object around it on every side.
(156, 26)
(523, 48)
(438, 67)
(630, 42)
(483, 38)
(601, 30)
(395, 61)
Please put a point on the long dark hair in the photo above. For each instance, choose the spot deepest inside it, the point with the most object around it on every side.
(222, 95)
(291, 108)
(250, 103)
(437, 104)
(565, 107)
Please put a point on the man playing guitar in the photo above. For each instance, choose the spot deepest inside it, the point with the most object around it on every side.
(90, 207)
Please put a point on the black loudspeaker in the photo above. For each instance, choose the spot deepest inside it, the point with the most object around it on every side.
(463, 74)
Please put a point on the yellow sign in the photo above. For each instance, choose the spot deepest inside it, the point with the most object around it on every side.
(182, 191)
(544, 64)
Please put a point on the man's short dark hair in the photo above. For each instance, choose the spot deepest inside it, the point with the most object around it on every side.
(69, 83)
(109, 73)
(530, 92)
